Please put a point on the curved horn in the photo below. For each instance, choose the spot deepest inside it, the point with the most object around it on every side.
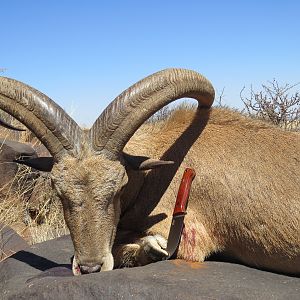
(129, 110)
(9, 126)
(48, 121)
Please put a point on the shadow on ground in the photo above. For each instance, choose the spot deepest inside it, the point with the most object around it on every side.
(44, 272)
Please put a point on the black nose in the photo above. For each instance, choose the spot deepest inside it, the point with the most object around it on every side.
(89, 269)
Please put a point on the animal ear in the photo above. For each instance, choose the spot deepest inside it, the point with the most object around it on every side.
(144, 162)
(44, 164)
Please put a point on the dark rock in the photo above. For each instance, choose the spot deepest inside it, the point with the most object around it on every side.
(43, 272)
(10, 150)
(14, 149)
(10, 242)
(41, 150)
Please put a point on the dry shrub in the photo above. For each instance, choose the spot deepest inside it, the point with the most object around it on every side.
(274, 103)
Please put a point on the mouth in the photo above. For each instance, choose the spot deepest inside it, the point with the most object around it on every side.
(107, 265)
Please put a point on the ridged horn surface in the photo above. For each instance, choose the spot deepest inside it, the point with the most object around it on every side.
(47, 120)
(129, 110)
(9, 126)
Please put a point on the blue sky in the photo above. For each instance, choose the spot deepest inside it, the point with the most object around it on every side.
(82, 54)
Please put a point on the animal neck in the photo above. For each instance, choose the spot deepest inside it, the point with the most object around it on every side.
(131, 191)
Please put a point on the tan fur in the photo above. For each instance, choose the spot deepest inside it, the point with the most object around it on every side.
(244, 200)
(91, 210)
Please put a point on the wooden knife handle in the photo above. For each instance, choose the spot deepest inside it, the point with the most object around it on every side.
(184, 191)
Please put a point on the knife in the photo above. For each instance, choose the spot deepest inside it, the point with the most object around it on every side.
(180, 211)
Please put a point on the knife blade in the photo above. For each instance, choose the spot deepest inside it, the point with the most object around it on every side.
(180, 211)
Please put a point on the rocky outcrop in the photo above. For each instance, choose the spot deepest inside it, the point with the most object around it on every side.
(10, 242)
(9, 151)
(44, 272)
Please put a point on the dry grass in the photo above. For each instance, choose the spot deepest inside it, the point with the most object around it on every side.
(30, 207)
(37, 219)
